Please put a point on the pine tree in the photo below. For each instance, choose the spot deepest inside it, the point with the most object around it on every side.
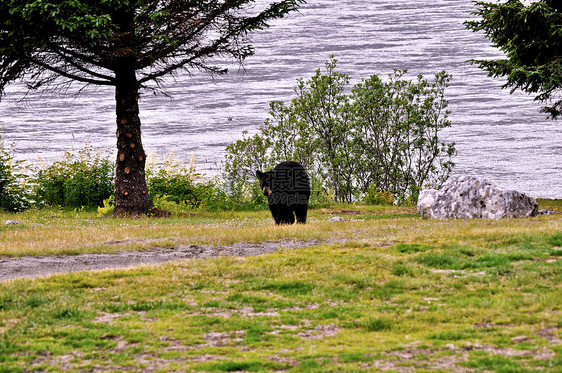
(128, 44)
(531, 38)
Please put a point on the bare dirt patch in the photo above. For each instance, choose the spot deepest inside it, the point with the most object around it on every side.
(409, 360)
(550, 335)
(217, 339)
(39, 266)
(320, 332)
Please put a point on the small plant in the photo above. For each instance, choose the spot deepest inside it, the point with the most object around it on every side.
(108, 207)
(243, 157)
(214, 196)
(13, 194)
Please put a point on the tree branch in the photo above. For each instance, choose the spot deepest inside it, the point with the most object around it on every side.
(67, 55)
(69, 75)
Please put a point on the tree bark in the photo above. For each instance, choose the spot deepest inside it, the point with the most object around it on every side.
(131, 192)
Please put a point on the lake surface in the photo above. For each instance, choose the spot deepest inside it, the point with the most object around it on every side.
(499, 136)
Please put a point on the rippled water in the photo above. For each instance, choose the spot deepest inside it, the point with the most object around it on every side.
(499, 136)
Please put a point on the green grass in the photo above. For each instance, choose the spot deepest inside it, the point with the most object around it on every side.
(392, 292)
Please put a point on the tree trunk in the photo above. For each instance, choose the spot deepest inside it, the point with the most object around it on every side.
(131, 192)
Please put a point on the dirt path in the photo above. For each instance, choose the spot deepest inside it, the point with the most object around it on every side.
(38, 266)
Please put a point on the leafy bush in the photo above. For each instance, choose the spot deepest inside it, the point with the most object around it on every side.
(376, 197)
(76, 181)
(242, 159)
(13, 194)
(382, 135)
(213, 196)
(173, 180)
(174, 186)
(398, 122)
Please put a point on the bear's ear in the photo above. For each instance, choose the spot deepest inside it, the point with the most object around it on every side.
(260, 174)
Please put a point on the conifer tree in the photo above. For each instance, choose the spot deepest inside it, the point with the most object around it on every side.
(131, 45)
(531, 38)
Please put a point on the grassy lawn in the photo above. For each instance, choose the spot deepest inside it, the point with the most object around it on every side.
(383, 291)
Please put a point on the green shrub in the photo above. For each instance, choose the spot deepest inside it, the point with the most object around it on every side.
(76, 181)
(13, 194)
(214, 196)
(376, 197)
(173, 186)
(383, 135)
(170, 180)
(176, 187)
(164, 203)
(242, 159)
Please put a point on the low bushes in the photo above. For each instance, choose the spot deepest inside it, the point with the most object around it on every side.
(85, 179)
(171, 182)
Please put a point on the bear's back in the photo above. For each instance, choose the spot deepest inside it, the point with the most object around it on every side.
(291, 177)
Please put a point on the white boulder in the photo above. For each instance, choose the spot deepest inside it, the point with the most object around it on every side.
(337, 218)
(468, 197)
(12, 222)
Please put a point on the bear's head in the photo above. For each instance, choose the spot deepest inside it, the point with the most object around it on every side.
(265, 182)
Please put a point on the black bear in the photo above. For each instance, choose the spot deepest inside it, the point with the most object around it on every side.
(287, 188)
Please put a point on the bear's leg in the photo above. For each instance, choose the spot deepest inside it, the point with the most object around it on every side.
(301, 212)
(290, 216)
(276, 213)
(286, 215)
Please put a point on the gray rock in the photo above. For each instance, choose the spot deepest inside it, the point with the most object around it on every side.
(468, 197)
(548, 212)
(337, 218)
(12, 222)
